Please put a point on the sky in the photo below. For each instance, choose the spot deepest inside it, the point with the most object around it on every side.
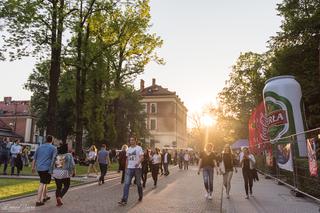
(202, 40)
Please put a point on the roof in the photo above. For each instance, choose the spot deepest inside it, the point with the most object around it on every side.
(9, 134)
(14, 108)
(156, 90)
(4, 126)
(240, 143)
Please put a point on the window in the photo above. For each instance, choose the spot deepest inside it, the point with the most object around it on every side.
(153, 124)
(153, 107)
(144, 107)
(146, 123)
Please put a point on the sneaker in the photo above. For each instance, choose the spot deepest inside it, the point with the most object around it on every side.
(46, 199)
(59, 201)
(140, 199)
(206, 195)
(39, 203)
(99, 182)
(122, 203)
(247, 197)
(210, 197)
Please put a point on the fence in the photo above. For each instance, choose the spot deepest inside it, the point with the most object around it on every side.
(281, 160)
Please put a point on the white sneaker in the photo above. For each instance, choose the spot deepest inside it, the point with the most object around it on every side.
(210, 197)
(85, 177)
(206, 195)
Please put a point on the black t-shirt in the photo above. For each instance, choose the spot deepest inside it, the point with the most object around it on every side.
(208, 160)
(228, 161)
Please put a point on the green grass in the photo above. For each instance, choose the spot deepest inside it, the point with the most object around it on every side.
(10, 188)
(80, 170)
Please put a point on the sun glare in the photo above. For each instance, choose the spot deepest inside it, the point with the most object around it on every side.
(208, 120)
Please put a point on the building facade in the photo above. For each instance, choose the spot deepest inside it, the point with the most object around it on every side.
(166, 117)
(17, 115)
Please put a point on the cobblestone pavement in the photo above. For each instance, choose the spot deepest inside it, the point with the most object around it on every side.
(268, 197)
(181, 191)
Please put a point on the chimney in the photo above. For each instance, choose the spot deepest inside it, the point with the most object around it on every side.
(7, 100)
(141, 84)
(153, 82)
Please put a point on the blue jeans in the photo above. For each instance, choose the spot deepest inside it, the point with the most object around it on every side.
(129, 175)
(208, 178)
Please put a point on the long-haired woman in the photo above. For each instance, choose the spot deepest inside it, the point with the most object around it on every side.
(92, 157)
(247, 162)
(122, 158)
(227, 162)
(156, 164)
(145, 166)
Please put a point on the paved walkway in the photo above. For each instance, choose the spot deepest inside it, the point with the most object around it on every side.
(268, 197)
(181, 191)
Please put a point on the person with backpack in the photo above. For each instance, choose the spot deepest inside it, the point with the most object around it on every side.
(43, 162)
(64, 169)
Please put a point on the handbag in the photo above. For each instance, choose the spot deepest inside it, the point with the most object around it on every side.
(59, 173)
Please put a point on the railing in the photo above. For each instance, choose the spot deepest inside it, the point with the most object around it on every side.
(299, 178)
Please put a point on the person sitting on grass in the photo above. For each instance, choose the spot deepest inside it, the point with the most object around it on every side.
(43, 161)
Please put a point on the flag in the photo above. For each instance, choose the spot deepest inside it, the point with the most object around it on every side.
(311, 147)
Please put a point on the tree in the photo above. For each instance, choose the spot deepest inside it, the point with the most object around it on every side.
(37, 24)
(295, 51)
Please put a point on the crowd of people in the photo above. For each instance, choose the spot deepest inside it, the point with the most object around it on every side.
(14, 155)
(135, 162)
(225, 164)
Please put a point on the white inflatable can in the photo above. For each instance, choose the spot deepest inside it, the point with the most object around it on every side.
(283, 101)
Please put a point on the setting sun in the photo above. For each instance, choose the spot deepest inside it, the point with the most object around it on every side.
(208, 120)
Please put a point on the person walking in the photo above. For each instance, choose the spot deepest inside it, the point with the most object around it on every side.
(134, 159)
(64, 169)
(247, 162)
(92, 157)
(4, 154)
(227, 167)
(180, 158)
(104, 161)
(166, 159)
(43, 162)
(145, 167)
(25, 156)
(122, 158)
(156, 163)
(186, 159)
(207, 163)
(16, 149)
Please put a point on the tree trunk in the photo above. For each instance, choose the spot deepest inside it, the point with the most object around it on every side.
(54, 75)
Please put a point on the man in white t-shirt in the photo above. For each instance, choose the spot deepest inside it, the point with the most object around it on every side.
(133, 168)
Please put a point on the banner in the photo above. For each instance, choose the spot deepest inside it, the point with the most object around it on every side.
(258, 129)
(284, 157)
(311, 147)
